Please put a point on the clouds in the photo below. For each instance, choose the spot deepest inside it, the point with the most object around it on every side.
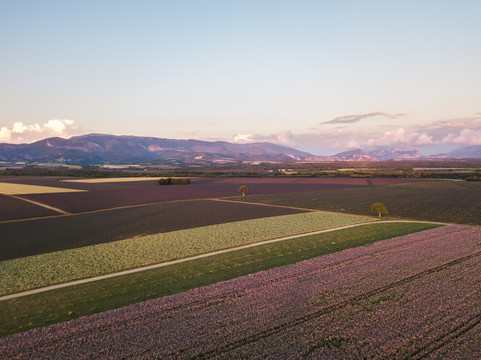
(463, 131)
(5, 134)
(465, 137)
(458, 132)
(399, 136)
(244, 138)
(285, 138)
(20, 132)
(443, 135)
(437, 136)
(350, 119)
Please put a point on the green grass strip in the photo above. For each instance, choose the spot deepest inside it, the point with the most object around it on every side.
(62, 266)
(59, 305)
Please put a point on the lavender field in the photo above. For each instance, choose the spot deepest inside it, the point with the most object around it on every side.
(416, 296)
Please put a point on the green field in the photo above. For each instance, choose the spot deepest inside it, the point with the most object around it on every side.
(444, 201)
(64, 304)
(84, 262)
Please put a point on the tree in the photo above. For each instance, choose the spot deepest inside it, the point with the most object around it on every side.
(243, 189)
(379, 208)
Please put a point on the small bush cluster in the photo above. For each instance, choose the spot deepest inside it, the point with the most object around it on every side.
(173, 181)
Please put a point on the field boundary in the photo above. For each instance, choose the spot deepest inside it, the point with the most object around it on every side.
(293, 207)
(190, 258)
(63, 212)
(273, 205)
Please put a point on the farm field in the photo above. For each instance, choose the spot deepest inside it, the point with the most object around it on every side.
(108, 180)
(445, 201)
(122, 225)
(118, 194)
(61, 266)
(422, 301)
(37, 236)
(18, 209)
(67, 303)
(8, 188)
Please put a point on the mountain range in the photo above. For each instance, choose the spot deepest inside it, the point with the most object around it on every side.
(112, 149)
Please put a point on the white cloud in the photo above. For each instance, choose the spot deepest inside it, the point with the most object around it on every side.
(465, 137)
(285, 138)
(425, 139)
(5, 134)
(20, 128)
(242, 138)
(58, 126)
(20, 132)
(400, 137)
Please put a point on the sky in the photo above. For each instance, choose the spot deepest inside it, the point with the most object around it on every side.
(320, 76)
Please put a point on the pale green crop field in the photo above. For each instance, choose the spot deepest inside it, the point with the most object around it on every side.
(62, 266)
(22, 189)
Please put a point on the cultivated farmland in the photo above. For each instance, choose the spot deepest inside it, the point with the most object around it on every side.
(23, 189)
(445, 201)
(109, 195)
(310, 303)
(421, 302)
(12, 208)
(55, 267)
(70, 302)
(38, 236)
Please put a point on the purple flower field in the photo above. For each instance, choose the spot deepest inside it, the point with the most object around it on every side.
(416, 296)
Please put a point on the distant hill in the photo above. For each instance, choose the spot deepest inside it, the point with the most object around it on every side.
(101, 149)
(377, 155)
(389, 154)
(112, 149)
(468, 152)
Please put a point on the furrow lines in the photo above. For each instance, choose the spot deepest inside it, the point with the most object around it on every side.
(306, 274)
(329, 309)
(443, 339)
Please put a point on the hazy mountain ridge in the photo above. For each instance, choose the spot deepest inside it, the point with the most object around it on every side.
(468, 152)
(377, 155)
(99, 148)
(102, 149)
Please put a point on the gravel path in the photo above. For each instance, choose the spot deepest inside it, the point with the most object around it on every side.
(155, 266)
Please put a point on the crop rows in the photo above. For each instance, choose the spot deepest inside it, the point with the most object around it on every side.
(11, 208)
(110, 195)
(444, 201)
(38, 236)
(67, 303)
(62, 266)
(422, 300)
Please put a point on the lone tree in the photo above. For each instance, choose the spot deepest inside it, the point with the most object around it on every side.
(243, 189)
(379, 208)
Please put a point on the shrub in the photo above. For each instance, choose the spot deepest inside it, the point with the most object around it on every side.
(173, 181)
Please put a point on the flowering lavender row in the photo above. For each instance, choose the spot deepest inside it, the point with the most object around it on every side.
(408, 297)
(407, 322)
(467, 346)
